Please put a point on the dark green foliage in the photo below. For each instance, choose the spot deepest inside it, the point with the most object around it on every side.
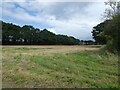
(97, 33)
(109, 30)
(108, 33)
(112, 31)
(28, 35)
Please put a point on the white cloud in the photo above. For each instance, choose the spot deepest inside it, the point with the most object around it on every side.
(76, 19)
(52, 30)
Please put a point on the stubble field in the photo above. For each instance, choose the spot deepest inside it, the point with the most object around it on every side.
(58, 67)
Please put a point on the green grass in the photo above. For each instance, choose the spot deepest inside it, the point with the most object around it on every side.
(75, 69)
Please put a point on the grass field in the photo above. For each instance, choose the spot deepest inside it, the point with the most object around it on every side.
(58, 66)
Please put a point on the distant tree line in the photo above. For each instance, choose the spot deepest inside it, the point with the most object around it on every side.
(28, 35)
(87, 42)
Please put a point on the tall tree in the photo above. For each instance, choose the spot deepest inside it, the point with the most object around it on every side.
(109, 30)
(97, 33)
(112, 32)
(112, 29)
(113, 9)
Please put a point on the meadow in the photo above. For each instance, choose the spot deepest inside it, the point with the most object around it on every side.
(58, 67)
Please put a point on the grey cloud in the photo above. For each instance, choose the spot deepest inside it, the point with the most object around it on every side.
(66, 10)
(76, 19)
(61, 10)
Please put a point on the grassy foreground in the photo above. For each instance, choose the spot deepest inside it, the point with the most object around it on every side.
(58, 66)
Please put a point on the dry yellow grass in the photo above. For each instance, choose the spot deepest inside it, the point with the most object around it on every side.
(57, 48)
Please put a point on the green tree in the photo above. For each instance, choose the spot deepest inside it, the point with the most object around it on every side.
(97, 33)
(112, 29)
(28, 35)
(112, 32)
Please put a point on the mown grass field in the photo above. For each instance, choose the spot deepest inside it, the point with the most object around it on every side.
(58, 67)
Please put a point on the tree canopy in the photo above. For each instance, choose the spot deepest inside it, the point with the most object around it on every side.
(28, 35)
(108, 31)
(111, 32)
(97, 33)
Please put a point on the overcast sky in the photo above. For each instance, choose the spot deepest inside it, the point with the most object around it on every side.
(69, 18)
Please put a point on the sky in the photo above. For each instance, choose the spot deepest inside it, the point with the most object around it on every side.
(60, 17)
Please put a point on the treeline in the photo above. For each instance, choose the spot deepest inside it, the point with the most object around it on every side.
(108, 32)
(87, 42)
(28, 35)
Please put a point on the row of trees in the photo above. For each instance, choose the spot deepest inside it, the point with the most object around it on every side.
(28, 35)
(108, 31)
